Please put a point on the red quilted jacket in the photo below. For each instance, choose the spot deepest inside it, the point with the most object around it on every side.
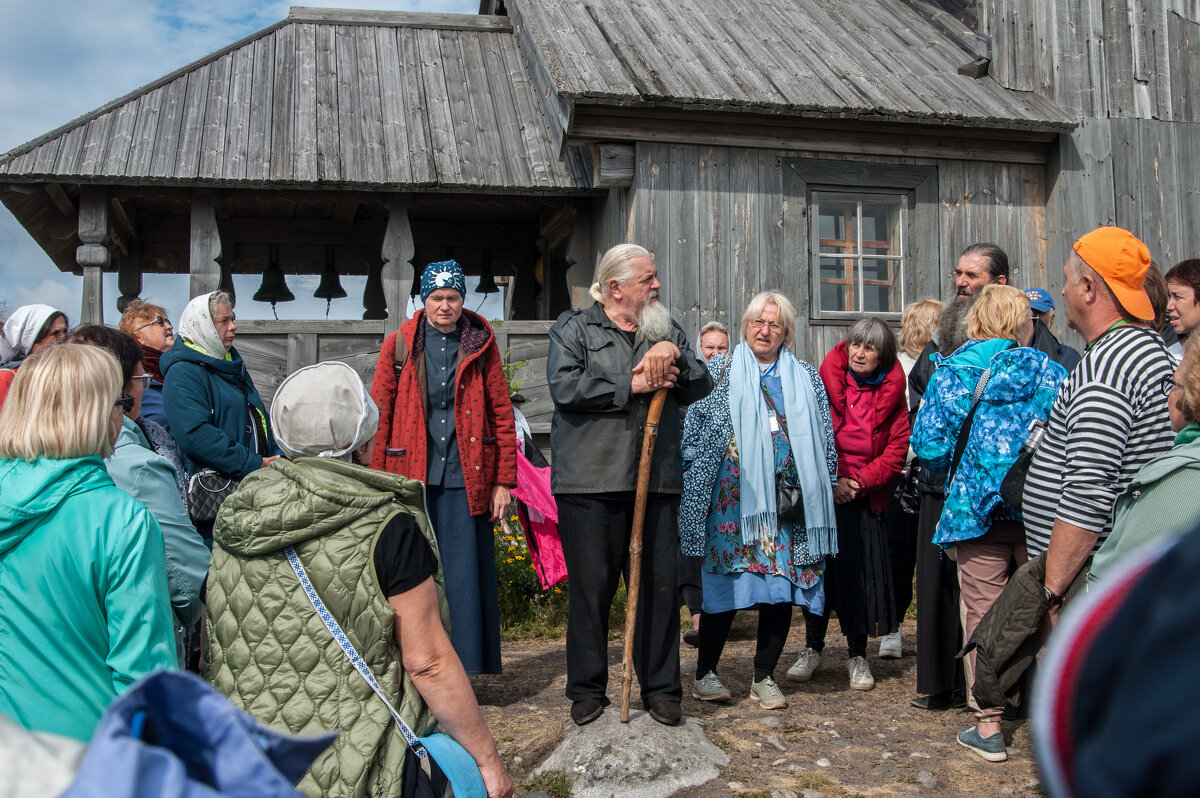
(483, 416)
(889, 433)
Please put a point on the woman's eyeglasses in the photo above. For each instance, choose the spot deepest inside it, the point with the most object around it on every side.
(758, 324)
(159, 320)
(1168, 382)
(145, 378)
(125, 403)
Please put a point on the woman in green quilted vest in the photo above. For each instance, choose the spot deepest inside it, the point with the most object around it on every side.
(364, 541)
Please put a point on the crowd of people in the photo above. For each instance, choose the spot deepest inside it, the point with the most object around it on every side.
(160, 514)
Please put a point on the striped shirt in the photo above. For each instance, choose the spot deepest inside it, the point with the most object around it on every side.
(1109, 420)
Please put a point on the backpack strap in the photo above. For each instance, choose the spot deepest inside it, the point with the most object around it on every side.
(963, 434)
(401, 352)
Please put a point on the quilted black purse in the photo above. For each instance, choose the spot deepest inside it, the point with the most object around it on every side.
(207, 491)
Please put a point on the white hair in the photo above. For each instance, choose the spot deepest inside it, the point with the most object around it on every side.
(614, 265)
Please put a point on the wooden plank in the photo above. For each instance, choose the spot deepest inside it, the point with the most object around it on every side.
(524, 164)
(301, 351)
(297, 153)
(145, 130)
(192, 125)
(45, 156)
(404, 19)
(328, 141)
(612, 165)
(93, 144)
(167, 133)
(120, 137)
(542, 162)
(469, 166)
(677, 268)
(260, 122)
(324, 328)
(372, 164)
(492, 123)
(265, 357)
(393, 113)
(237, 129)
(416, 128)
(216, 117)
(70, 153)
(1183, 38)
(441, 122)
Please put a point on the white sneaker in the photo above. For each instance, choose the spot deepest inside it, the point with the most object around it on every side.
(860, 674)
(806, 665)
(889, 646)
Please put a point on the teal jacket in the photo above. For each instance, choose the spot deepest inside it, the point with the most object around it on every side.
(150, 478)
(84, 611)
(206, 401)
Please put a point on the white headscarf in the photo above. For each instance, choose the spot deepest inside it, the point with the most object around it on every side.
(323, 411)
(21, 329)
(197, 328)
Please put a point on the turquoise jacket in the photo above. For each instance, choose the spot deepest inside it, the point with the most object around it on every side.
(150, 478)
(207, 403)
(84, 611)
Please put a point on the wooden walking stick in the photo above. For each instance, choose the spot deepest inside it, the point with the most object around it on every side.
(635, 545)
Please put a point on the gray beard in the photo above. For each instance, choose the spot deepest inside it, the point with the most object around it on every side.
(952, 329)
(654, 322)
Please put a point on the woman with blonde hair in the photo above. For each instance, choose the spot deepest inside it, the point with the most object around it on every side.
(150, 327)
(917, 324)
(987, 393)
(83, 578)
(768, 418)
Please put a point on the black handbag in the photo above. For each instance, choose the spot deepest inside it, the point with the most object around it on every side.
(207, 491)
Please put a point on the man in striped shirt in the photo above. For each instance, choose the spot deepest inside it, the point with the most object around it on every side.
(1110, 417)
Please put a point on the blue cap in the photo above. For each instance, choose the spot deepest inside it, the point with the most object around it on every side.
(1040, 299)
(443, 274)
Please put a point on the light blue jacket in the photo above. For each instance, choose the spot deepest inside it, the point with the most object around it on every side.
(1022, 386)
(150, 478)
(84, 611)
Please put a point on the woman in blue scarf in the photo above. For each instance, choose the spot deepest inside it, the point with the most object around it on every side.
(767, 417)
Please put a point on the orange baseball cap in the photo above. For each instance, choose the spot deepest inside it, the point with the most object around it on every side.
(1121, 259)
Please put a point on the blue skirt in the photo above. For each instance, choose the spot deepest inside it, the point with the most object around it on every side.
(469, 566)
(740, 591)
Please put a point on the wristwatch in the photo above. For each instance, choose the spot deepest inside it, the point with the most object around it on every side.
(1051, 597)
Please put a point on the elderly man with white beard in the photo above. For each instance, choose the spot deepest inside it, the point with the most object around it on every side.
(605, 362)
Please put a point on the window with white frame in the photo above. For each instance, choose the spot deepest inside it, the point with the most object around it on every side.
(859, 251)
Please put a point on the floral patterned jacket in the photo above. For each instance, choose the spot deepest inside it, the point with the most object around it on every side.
(1022, 386)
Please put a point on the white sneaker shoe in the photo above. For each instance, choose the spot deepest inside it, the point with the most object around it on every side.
(860, 674)
(889, 646)
(806, 665)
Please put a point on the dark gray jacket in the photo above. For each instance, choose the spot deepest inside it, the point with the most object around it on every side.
(596, 437)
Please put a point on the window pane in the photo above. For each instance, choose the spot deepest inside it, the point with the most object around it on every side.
(878, 299)
(833, 297)
(865, 226)
(837, 222)
(881, 284)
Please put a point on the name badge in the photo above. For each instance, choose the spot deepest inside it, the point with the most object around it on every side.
(774, 423)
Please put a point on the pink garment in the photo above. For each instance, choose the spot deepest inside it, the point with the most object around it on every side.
(854, 438)
(539, 517)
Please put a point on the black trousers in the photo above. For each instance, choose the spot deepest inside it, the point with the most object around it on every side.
(595, 532)
(774, 622)
(939, 632)
(902, 553)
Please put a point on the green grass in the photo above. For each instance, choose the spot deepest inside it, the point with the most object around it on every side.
(555, 783)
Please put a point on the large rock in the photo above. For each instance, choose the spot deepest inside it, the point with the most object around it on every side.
(639, 759)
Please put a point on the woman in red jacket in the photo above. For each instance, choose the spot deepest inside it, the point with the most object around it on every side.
(446, 420)
(865, 383)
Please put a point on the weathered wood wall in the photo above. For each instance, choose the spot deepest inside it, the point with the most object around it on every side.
(723, 227)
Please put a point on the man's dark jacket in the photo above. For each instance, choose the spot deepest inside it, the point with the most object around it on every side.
(596, 437)
(1044, 340)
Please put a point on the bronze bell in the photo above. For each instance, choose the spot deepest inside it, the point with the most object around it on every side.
(274, 285)
(330, 287)
(487, 283)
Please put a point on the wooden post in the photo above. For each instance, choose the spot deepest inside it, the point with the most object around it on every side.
(129, 276)
(204, 250)
(398, 251)
(92, 254)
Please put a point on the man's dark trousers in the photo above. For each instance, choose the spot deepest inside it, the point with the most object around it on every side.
(595, 530)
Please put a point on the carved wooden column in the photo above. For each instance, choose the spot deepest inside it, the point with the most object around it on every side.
(92, 254)
(204, 250)
(398, 251)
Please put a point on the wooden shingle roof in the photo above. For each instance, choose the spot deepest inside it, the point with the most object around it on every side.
(845, 59)
(331, 98)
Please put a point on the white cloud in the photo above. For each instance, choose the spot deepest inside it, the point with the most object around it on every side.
(64, 58)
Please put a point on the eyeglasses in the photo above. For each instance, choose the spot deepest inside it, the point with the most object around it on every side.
(125, 403)
(159, 320)
(1167, 384)
(758, 324)
(145, 378)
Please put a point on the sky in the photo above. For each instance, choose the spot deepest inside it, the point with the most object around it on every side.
(61, 59)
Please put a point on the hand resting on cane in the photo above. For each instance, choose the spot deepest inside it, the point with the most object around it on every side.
(656, 369)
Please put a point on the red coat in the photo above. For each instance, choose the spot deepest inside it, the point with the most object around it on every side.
(483, 416)
(889, 433)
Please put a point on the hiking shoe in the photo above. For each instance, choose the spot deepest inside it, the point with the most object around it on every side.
(768, 694)
(860, 674)
(889, 646)
(666, 712)
(709, 688)
(990, 748)
(587, 710)
(806, 665)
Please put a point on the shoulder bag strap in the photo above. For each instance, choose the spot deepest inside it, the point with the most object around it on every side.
(961, 445)
(724, 368)
(350, 652)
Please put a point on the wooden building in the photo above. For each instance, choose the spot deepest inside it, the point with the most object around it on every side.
(842, 151)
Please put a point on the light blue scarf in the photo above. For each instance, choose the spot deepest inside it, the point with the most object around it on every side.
(752, 433)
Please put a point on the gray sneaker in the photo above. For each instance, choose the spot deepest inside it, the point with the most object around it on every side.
(860, 674)
(806, 665)
(709, 688)
(768, 694)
